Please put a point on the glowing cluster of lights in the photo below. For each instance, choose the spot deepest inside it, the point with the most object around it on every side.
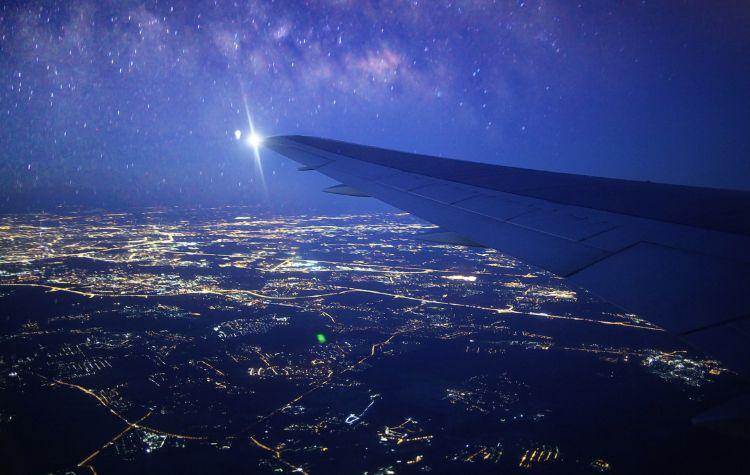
(465, 278)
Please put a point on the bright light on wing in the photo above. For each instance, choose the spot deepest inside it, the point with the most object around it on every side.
(237, 134)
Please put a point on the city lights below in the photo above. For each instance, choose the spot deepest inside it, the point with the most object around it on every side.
(200, 311)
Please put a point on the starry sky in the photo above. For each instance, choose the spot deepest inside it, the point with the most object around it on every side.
(133, 103)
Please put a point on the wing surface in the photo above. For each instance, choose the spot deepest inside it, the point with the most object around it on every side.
(677, 256)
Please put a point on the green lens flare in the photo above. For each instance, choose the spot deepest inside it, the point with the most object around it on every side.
(321, 338)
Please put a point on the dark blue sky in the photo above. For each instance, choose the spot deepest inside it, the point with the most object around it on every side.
(131, 102)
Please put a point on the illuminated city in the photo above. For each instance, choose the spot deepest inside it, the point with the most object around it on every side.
(225, 339)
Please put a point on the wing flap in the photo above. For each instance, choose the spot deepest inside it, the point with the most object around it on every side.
(564, 222)
(678, 290)
(495, 207)
(447, 193)
(406, 181)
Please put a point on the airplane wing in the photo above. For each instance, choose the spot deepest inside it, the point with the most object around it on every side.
(677, 256)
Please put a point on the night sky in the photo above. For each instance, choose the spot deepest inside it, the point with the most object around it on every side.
(129, 103)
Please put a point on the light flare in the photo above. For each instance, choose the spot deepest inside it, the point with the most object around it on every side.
(254, 139)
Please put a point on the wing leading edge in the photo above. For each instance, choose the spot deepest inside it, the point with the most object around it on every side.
(677, 256)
